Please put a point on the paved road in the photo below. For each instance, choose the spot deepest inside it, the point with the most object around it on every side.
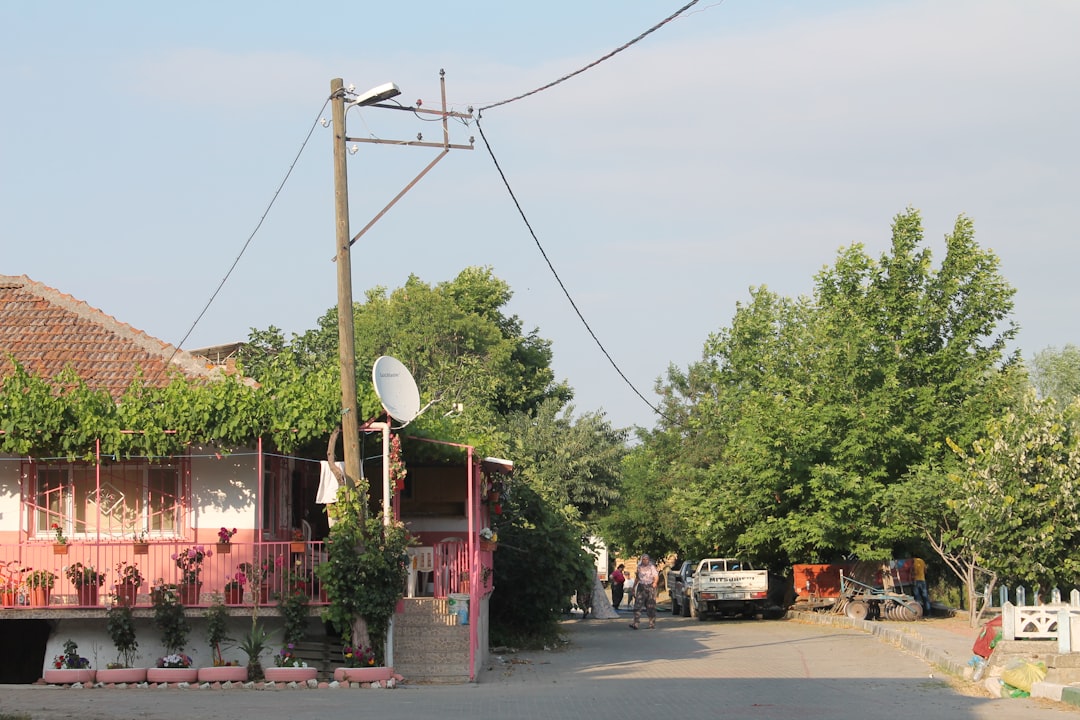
(685, 668)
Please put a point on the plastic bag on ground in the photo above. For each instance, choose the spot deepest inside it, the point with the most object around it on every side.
(1021, 673)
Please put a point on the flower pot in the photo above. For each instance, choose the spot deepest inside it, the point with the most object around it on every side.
(234, 596)
(141, 548)
(290, 674)
(189, 594)
(67, 677)
(7, 598)
(488, 546)
(363, 674)
(60, 549)
(172, 675)
(224, 548)
(40, 596)
(88, 594)
(224, 673)
(115, 676)
(264, 595)
(126, 595)
(298, 547)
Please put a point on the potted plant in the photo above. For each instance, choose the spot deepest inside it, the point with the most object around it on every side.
(489, 539)
(234, 588)
(297, 544)
(128, 582)
(60, 544)
(293, 607)
(69, 667)
(360, 666)
(140, 545)
(190, 562)
(169, 617)
(217, 632)
(225, 540)
(295, 581)
(290, 668)
(86, 581)
(40, 584)
(120, 624)
(10, 581)
(253, 644)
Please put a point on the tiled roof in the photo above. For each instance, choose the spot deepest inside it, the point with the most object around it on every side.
(46, 330)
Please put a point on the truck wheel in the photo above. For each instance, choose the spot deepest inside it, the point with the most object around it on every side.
(700, 615)
(686, 609)
(674, 606)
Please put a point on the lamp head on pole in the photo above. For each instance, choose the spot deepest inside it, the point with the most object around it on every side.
(376, 95)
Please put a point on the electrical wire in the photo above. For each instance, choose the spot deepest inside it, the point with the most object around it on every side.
(558, 279)
(250, 237)
(596, 62)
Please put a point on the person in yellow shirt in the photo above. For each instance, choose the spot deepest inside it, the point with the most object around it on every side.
(918, 576)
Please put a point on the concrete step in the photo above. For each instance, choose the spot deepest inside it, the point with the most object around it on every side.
(433, 673)
(1063, 676)
(420, 641)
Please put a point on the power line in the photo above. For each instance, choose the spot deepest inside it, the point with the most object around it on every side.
(566, 292)
(251, 237)
(596, 62)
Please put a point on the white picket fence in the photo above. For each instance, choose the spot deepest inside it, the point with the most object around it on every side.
(1042, 621)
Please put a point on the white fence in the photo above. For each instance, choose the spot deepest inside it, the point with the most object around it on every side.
(1042, 621)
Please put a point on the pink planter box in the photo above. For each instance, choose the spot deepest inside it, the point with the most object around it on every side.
(67, 677)
(172, 675)
(121, 675)
(225, 673)
(289, 674)
(363, 674)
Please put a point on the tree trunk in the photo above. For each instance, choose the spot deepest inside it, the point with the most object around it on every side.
(360, 636)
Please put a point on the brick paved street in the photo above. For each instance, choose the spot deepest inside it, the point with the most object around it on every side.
(685, 669)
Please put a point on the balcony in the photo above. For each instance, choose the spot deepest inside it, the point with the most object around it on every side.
(267, 568)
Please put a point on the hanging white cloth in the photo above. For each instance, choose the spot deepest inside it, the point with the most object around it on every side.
(328, 483)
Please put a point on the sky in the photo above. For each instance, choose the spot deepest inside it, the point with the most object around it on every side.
(740, 145)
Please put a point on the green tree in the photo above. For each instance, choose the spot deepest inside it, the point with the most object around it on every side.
(1056, 374)
(1017, 494)
(802, 414)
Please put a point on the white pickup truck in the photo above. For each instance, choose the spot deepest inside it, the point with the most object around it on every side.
(727, 586)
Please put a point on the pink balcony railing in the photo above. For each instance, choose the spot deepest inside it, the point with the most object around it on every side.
(262, 570)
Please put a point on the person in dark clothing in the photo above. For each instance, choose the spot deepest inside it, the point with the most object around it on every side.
(617, 580)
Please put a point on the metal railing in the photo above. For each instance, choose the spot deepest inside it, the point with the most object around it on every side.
(92, 574)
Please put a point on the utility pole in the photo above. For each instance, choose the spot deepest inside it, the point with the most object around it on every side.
(350, 421)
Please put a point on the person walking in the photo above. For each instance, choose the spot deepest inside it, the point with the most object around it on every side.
(628, 589)
(645, 592)
(617, 580)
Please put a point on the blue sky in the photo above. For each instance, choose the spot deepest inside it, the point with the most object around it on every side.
(740, 145)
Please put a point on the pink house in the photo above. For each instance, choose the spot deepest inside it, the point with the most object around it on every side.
(114, 514)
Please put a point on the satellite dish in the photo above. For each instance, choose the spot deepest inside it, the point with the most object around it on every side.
(396, 388)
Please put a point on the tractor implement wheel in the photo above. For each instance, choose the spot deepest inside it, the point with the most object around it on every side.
(857, 610)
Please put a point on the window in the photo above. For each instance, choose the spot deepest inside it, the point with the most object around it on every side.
(114, 499)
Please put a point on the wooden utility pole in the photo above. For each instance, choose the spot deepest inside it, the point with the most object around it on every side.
(350, 421)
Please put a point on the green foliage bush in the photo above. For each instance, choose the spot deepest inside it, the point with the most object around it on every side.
(539, 565)
(364, 575)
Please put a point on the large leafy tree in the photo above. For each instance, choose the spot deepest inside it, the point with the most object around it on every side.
(802, 414)
(1056, 374)
(1015, 498)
